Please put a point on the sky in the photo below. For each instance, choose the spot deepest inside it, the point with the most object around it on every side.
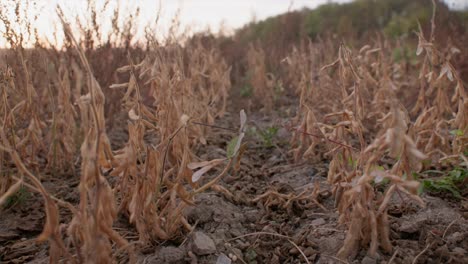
(457, 4)
(195, 14)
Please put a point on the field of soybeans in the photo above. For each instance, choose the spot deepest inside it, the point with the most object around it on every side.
(309, 137)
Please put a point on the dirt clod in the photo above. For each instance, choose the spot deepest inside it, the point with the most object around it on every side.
(223, 259)
(411, 227)
(171, 254)
(456, 237)
(203, 244)
(368, 260)
(318, 222)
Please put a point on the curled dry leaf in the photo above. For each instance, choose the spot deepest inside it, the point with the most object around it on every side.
(119, 86)
(184, 119)
(243, 120)
(132, 115)
(235, 144)
(446, 70)
(85, 99)
(205, 167)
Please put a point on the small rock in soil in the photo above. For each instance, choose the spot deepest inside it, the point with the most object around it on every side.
(327, 244)
(251, 215)
(203, 244)
(368, 260)
(201, 213)
(235, 232)
(411, 227)
(443, 251)
(309, 251)
(223, 259)
(455, 237)
(171, 254)
(318, 221)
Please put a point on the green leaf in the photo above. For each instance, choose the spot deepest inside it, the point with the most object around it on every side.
(351, 162)
(268, 135)
(19, 197)
(442, 185)
(251, 255)
(246, 91)
(421, 189)
(455, 174)
(379, 168)
(231, 147)
(457, 132)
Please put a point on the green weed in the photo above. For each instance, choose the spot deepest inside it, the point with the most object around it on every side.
(18, 198)
(268, 135)
(447, 184)
(246, 91)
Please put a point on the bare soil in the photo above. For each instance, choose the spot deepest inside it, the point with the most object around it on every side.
(247, 230)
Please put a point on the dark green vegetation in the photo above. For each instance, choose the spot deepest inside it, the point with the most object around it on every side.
(354, 24)
(357, 19)
(454, 182)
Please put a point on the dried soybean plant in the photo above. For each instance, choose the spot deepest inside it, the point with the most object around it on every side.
(261, 82)
(155, 178)
(315, 92)
(90, 231)
(355, 169)
(63, 132)
(19, 142)
(367, 86)
(21, 125)
(192, 80)
(441, 125)
(6, 89)
(300, 65)
(210, 76)
(23, 122)
(348, 127)
(365, 209)
(351, 80)
(51, 231)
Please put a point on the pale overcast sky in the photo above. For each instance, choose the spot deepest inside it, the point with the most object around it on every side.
(200, 13)
(196, 14)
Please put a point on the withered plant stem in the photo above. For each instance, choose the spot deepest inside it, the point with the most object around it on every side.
(415, 260)
(166, 152)
(213, 126)
(328, 139)
(393, 256)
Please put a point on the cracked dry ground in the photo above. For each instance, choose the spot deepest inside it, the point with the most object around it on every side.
(270, 212)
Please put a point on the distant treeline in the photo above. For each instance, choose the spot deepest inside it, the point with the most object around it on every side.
(396, 18)
(356, 23)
